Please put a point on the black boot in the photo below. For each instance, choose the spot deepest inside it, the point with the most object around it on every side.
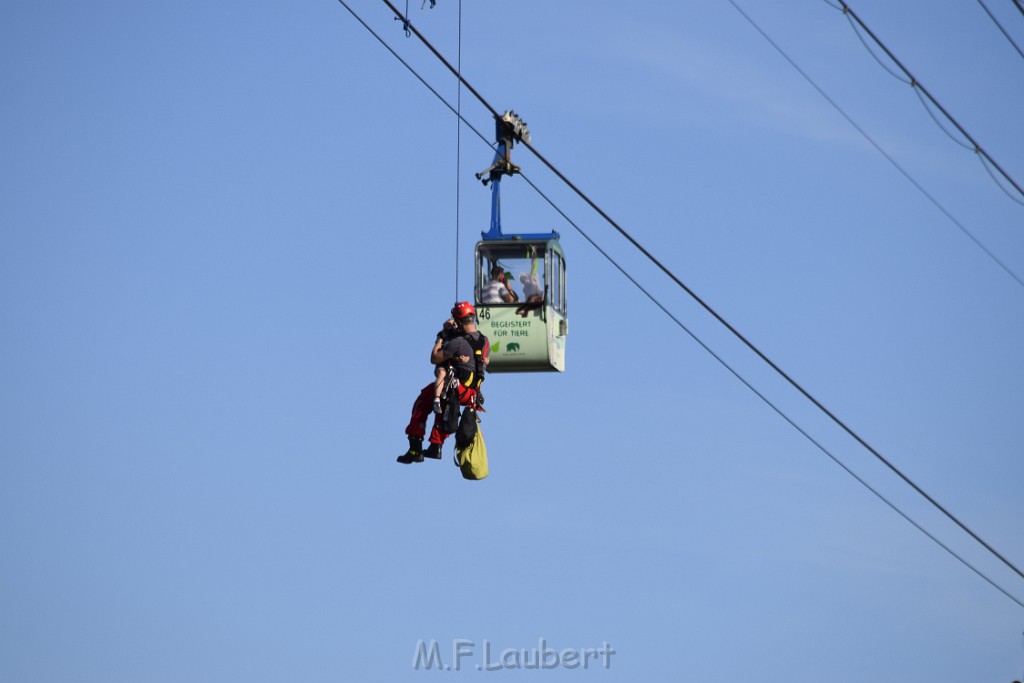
(415, 452)
(433, 451)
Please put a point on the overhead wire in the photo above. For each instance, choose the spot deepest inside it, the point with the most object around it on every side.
(1001, 29)
(855, 22)
(764, 398)
(904, 172)
(746, 342)
(961, 226)
(720, 319)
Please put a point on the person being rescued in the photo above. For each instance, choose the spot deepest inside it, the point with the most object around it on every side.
(532, 289)
(462, 350)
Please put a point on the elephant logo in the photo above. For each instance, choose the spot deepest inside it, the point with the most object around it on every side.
(512, 347)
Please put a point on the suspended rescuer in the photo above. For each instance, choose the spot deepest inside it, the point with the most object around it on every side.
(463, 349)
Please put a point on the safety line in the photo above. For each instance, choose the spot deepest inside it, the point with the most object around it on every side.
(703, 304)
(458, 153)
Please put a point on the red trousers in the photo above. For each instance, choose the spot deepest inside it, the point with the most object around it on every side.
(424, 406)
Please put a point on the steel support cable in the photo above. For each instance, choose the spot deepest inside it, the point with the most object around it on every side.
(999, 183)
(697, 339)
(932, 199)
(746, 342)
(707, 348)
(440, 57)
(750, 345)
(926, 103)
(928, 108)
(906, 174)
(723, 322)
(735, 373)
(1001, 29)
(899, 77)
(916, 84)
(994, 172)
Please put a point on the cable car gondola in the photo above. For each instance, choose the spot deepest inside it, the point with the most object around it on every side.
(520, 279)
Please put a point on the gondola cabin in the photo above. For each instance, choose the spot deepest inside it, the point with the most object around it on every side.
(521, 304)
(520, 278)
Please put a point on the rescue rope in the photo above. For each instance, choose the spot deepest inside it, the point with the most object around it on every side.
(458, 146)
(405, 21)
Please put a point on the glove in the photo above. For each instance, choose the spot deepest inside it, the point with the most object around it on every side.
(437, 406)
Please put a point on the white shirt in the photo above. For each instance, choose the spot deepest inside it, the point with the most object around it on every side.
(494, 293)
(531, 284)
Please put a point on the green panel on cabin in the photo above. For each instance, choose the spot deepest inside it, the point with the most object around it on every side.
(521, 343)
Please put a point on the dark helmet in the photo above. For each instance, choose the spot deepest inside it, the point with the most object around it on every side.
(463, 309)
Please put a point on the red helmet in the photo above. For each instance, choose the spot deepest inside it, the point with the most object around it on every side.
(463, 309)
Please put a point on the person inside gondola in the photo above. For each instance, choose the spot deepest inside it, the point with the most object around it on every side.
(533, 303)
(498, 290)
(509, 279)
(532, 289)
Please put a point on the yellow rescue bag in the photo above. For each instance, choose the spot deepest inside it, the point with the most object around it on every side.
(472, 459)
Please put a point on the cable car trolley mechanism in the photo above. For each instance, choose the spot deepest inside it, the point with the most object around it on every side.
(520, 278)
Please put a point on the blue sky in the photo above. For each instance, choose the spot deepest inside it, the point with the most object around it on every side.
(228, 238)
